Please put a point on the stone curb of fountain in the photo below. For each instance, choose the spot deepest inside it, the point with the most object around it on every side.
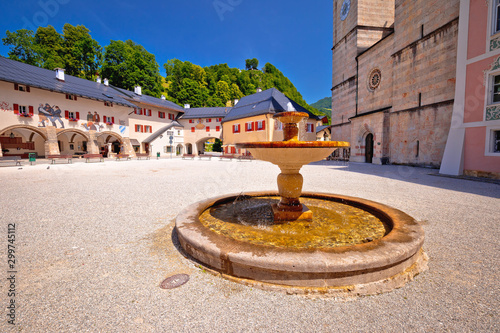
(379, 266)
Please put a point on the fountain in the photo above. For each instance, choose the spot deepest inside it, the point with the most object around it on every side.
(302, 242)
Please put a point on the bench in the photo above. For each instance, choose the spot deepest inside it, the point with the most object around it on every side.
(87, 157)
(245, 157)
(229, 157)
(138, 155)
(205, 156)
(54, 157)
(17, 159)
(120, 156)
(191, 156)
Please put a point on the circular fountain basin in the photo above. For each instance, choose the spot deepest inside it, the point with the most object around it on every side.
(370, 265)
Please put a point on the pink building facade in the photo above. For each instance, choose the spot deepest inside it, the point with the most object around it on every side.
(473, 145)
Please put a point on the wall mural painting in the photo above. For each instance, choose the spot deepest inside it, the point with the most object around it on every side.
(48, 113)
(93, 122)
(4, 106)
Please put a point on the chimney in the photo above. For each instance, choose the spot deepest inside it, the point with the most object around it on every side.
(259, 89)
(98, 80)
(138, 90)
(60, 74)
(106, 82)
(187, 106)
(163, 97)
(236, 101)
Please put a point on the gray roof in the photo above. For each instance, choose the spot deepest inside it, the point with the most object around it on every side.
(18, 72)
(320, 128)
(268, 101)
(163, 103)
(162, 130)
(209, 112)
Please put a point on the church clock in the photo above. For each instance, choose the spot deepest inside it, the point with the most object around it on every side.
(344, 10)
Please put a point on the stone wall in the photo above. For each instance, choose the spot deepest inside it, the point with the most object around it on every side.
(344, 101)
(427, 67)
(410, 15)
(418, 136)
(377, 58)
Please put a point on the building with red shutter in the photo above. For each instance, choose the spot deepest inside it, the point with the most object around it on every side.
(251, 120)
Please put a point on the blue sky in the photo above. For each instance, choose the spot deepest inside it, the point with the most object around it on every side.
(293, 35)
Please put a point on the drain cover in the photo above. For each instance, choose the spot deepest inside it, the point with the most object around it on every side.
(174, 281)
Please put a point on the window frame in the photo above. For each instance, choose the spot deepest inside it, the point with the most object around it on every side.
(491, 141)
(495, 23)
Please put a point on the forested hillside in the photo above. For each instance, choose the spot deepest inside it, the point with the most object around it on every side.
(324, 106)
(127, 64)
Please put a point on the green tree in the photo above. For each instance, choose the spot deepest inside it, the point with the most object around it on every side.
(222, 93)
(22, 46)
(82, 54)
(251, 64)
(50, 46)
(127, 64)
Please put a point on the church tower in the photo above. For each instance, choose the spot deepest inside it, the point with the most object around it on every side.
(357, 25)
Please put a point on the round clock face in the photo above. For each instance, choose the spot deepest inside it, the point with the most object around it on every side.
(344, 10)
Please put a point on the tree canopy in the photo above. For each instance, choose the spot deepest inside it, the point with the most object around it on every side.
(73, 50)
(251, 64)
(127, 64)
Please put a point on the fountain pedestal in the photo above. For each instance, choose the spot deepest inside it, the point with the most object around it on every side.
(290, 156)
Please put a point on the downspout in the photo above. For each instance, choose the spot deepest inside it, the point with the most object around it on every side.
(357, 81)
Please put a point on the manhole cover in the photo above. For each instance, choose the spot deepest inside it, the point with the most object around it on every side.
(174, 281)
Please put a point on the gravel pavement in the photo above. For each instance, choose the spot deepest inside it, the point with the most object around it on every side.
(94, 242)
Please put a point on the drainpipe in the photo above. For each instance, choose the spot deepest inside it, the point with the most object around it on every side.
(357, 81)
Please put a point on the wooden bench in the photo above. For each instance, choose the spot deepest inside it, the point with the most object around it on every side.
(87, 157)
(55, 157)
(228, 157)
(17, 159)
(205, 156)
(245, 157)
(120, 156)
(191, 156)
(138, 155)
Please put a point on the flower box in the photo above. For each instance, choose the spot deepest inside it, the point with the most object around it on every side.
(109, 123)
(26, 115)
(72, 119)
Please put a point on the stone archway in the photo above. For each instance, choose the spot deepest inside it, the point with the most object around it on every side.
(67, 144)
(32, 143)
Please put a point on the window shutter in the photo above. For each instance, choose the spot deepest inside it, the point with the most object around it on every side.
(141, 111)
(28, 88)
(113, 120)
(104, 119)
(263, 124)
(234, 128)
(256, 124)
(217, 128)
(16, 86)
(66, 114)
(67, 96)
(142, 128)
(192, 129)
(31, 110)
(150, 129)
(16, 108)
(76, 98)
(208, 128)
(136, 127)
(78, 115)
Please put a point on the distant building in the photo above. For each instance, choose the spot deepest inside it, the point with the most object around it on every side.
(394, 65)
(251, 120)
(473, 146)
(200, 125)
(49, 113)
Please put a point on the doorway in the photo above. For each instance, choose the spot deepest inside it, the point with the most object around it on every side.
(369, 148)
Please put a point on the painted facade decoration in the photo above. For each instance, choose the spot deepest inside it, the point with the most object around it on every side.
(48, 113)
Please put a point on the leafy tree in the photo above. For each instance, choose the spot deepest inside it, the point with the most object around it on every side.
(222, 93)
(50, 46)
(217, 146)
(127, 64)
(82, 54)
(22, 46)
(252, 64)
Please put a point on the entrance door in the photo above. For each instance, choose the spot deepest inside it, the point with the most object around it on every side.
(369, 148)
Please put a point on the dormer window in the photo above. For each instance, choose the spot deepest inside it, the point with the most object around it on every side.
(21, 87)
(71, 97)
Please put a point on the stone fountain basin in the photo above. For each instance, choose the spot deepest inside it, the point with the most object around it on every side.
(292, 152)
(377, 266)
